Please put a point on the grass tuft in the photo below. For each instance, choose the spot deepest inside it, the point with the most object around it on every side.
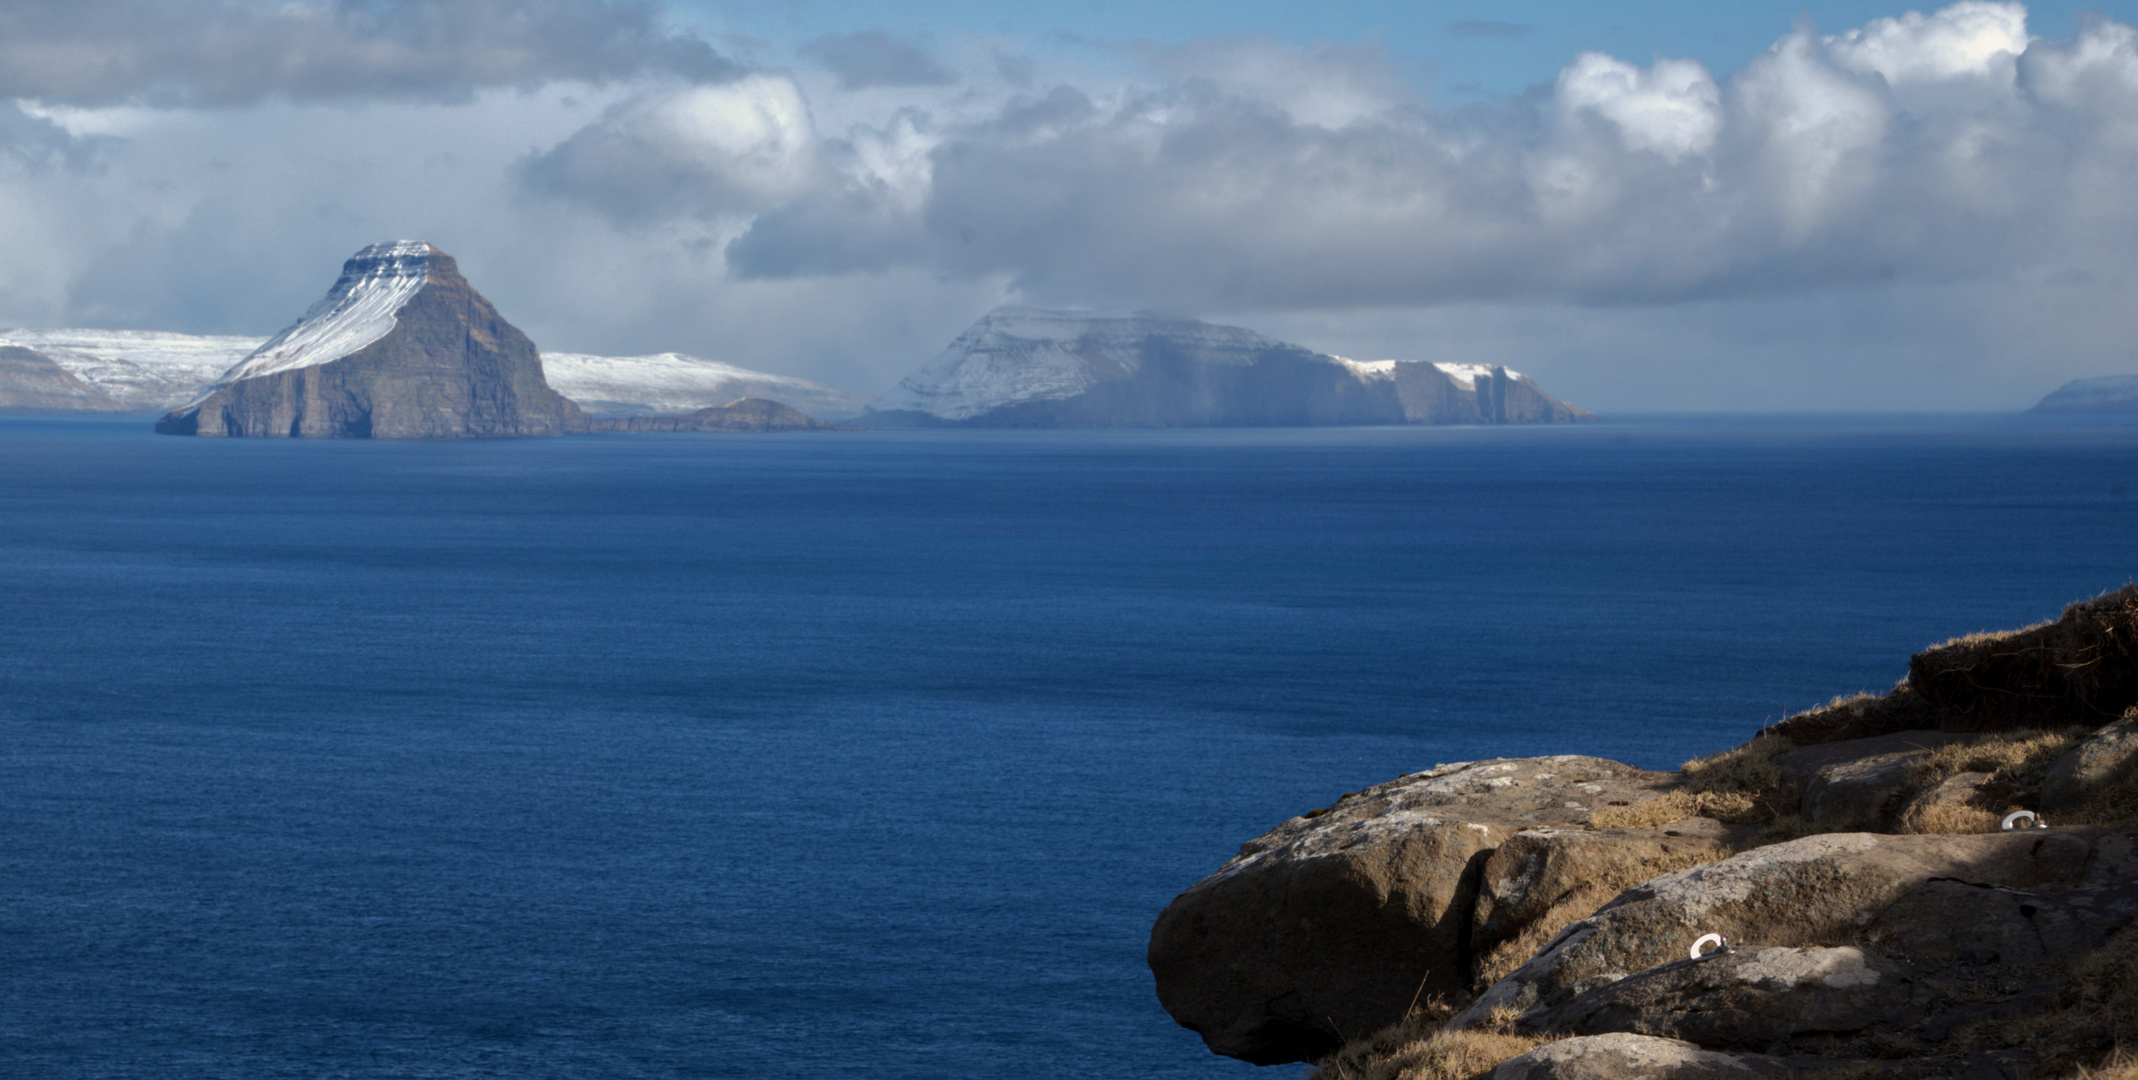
(1748, 768)
(1415, 1048)
(2014, 759)
(1735, 807)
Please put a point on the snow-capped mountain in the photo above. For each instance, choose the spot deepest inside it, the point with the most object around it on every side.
(401, 347)
(614, 386)
(2107, 394)
(135, 370)
(1021, 367)
(360, 309)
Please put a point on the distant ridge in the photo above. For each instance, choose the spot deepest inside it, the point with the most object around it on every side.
(671, 382)
(148, 371)
(2108, 395)
(1024, 367)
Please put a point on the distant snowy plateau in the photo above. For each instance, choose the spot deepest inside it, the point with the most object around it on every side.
(1023, 367)
(2109, 394)
(139, 371)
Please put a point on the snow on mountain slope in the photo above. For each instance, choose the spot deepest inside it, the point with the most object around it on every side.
(357, 311)
(678, 383)
(2107, 394)
(1018, 355)
(1464, 376)
(141, 370)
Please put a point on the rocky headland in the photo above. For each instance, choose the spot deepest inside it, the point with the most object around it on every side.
(1940, 881)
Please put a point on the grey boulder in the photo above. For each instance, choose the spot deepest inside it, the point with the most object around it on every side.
(1817, 891)
(1750, 997)
(1542, 879)
(1857, 784)
(1331, 925)
(1634, 1057)
(2091, 768)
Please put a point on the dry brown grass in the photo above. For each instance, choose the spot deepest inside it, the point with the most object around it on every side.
(1416, 1049)
(2012, 763)
(1730, 786)
(1747, 768)
(1857, 716)
(2122, 1067)
(2116, 808)
(2012, 758)
(1950, 818)
(1736, 807)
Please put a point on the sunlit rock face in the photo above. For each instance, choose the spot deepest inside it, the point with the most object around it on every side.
(401, 347)
(1022, 367)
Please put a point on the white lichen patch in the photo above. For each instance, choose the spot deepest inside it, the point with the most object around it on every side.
(1786, 969)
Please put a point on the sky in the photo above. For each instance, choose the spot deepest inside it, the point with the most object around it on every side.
(1645, 206)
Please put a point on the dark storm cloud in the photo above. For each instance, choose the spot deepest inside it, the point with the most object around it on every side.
(1487, 28)
(227, 52)
(874, 58)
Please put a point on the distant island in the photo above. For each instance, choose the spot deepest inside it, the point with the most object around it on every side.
(403, 346)
(1024, 367)
(2108, 395)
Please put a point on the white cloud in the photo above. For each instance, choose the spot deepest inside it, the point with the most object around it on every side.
(1916, 170)
(1673, 108)
(733, 148)
(1971, 39)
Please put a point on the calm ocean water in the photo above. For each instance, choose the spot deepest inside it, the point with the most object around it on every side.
(867, 755)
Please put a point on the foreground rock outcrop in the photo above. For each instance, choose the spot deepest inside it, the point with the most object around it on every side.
(1334, 923)
(1635, 1057)
(401, 347)
(1835, 896)
(1817, 891)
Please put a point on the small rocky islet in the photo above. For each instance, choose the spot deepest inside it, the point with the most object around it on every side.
(1940, 881)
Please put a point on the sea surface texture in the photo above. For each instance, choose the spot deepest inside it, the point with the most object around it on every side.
(867, 754)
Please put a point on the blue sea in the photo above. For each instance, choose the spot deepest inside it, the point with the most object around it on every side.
(868, 754)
